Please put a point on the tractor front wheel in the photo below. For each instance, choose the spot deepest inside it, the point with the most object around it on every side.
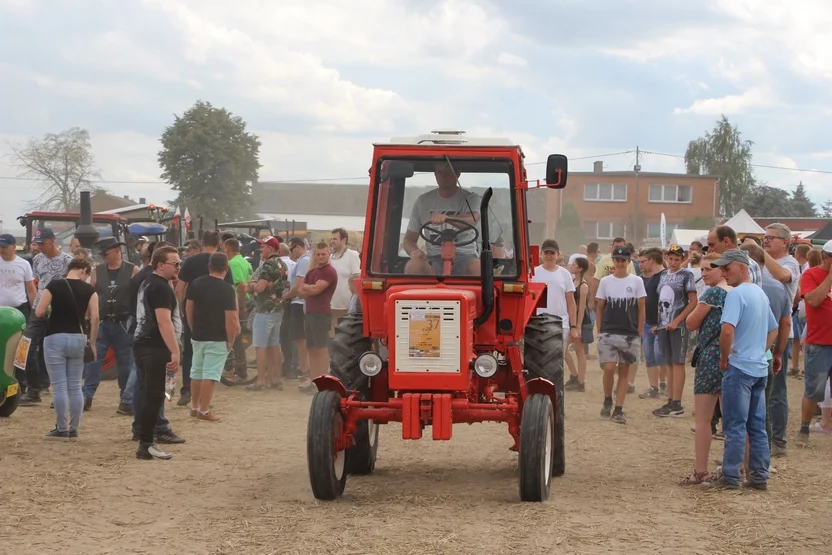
(327, 467)
(361, 458)
(543, 346)
(10, 405)
(536, 448)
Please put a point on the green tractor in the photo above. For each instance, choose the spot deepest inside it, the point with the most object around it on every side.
(12, 325)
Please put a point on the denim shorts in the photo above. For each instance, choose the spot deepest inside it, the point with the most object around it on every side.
(266, 332)
(818, 369)
(209, 360)
(653, 356)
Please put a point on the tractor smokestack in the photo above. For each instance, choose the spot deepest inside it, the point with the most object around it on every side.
(486, 263)
(86, 232)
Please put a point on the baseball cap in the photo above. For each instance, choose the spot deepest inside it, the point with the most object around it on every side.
(677, 250)
(729, 256)
(273, 242)
(621, 252)
(7, 239)
(43, 234)
(827, 248)
(549, 245)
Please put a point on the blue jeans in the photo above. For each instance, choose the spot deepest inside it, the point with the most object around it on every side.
(778, 404)
(653, 355)
(64, 356)
(115, 335)
(744, 412)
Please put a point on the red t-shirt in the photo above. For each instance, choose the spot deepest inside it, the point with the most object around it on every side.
(320, 303)
(818, 318)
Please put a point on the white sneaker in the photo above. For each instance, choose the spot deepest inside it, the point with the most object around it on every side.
(157, 453)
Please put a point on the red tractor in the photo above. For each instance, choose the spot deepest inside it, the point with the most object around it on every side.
(447, 332)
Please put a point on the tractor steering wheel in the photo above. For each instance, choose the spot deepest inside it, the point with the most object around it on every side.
(449, 234)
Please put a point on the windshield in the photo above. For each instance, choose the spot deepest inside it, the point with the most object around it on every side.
(65, 231)
(427, 219)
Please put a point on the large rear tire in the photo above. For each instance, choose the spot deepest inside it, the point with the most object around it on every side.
(543, 358)
(346, 349)
(536, 448)
(327, 468)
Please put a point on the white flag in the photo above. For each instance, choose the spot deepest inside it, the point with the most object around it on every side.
(663, 232)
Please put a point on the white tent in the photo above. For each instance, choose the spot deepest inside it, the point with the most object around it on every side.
(684, 237)
(744, 224)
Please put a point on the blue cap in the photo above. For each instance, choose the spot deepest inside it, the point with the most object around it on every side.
(43, 234)
(7, 239)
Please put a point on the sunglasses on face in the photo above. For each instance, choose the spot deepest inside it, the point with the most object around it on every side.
(175, 264)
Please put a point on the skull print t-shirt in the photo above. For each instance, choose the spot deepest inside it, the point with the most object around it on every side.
(673, 291)
(620, 296)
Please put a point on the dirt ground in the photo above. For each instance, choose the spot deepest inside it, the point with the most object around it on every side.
(241, 487)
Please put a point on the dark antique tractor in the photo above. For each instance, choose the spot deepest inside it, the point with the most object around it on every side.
(447, 332)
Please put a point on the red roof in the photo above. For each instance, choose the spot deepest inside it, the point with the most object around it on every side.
(71, 216)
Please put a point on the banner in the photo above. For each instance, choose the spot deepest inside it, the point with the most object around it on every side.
(663, 232)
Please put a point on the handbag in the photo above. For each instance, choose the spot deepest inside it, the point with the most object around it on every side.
(586, 334)
(88, 354)
(698, 351)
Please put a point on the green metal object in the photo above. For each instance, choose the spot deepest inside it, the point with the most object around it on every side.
(12, 324)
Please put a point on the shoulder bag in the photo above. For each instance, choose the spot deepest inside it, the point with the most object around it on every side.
(88, 354)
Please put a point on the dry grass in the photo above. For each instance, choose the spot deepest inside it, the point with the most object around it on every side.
(241, 487)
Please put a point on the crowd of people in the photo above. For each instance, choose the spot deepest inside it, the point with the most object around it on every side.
(180, 308)
(736, 311)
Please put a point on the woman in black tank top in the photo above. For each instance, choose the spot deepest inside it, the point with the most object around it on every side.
(578, 269)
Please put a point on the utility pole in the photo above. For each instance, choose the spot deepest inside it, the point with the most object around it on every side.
(637, 168)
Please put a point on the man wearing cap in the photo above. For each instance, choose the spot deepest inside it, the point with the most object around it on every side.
(677, 299)
(268, 285)
(816, 288)
(112, 283)
(194, 266)
(620, 313)
(448, 200)
(748, 330)
(49, 264)
(17, 283)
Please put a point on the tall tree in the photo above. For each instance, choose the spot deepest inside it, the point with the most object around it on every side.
(801, 205)
(61, 163)
(211, 160)
(826, 208)
(764, 201)
(723, 152)
(568, 230)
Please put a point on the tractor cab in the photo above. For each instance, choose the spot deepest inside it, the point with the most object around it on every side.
(65, 225)
(447, 332)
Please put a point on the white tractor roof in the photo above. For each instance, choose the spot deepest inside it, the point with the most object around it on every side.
(450, 137)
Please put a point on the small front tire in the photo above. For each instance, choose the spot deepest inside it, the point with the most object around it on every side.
(537, 443)
(361, 457)
(327, 467)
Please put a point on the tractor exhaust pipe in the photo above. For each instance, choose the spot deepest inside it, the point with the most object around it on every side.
(486, 263)
(86, 233)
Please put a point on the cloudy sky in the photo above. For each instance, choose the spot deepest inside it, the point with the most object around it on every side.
(320, 80)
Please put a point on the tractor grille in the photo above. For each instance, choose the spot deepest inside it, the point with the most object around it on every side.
(427, 336)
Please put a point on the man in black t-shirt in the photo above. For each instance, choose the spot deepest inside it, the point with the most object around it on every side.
(156, 345)
(212, 310)
(193, 267)
(650, 262)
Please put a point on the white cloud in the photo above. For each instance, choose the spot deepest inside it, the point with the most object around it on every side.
(507, 59)
(731, 104)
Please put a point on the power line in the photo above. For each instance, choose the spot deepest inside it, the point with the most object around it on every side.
(752, 165)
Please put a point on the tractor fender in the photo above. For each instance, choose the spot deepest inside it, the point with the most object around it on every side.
(544, 386)
(331, 383)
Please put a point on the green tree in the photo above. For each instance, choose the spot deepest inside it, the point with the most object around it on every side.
(764, 201)
(724, 153)
(698, 222)
(211, 160)
(826, 208)
(569, 231)
(62, 164)
(801, 205)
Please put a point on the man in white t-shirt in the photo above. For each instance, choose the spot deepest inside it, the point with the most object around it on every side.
(447, 201)
(17, 282)
(348, 265)
(560, 291)
(620, 314)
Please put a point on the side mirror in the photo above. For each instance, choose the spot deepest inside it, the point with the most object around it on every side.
(556, 166)
(397, 169)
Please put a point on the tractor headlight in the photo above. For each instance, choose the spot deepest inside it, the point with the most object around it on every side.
(370, 364)
(485, 365)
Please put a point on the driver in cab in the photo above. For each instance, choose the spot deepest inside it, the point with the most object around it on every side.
(448, 201)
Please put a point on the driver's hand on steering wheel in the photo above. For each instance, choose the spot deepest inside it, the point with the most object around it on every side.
(417, 253)
(437, 219)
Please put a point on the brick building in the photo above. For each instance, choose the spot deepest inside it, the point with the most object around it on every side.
(629, 204)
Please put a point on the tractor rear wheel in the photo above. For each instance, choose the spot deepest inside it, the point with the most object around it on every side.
(536, 448)
(327, 467)
(361, 458)
(346, 349)
(543, 346)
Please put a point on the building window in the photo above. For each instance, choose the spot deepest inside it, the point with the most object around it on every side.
(654, 230)
(671, 193)
(604, 230)
(605, 192)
